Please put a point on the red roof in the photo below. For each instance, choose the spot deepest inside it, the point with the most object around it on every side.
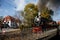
(58, 22)
(7, 18)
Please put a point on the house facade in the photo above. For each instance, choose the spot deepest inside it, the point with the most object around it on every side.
(11, 21)
(58, 24)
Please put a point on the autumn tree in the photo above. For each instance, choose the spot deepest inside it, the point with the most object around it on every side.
(1, 21)
(46, 13)
(30, 11)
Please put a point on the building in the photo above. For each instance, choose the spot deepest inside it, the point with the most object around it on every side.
(58, 24)
(11, 21)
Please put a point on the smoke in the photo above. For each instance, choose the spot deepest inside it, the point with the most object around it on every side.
(55, 2)
(52, 3)
(42, 4)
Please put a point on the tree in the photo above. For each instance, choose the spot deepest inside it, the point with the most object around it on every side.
(45, 13)
(30, 11)
(1, 17)
(1, 21)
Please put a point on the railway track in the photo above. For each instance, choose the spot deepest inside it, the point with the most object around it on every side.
(17, 34)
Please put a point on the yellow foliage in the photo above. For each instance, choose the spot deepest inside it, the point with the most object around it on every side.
(31, 11)
(45, 13)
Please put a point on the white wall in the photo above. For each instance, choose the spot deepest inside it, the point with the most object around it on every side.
(9, 23)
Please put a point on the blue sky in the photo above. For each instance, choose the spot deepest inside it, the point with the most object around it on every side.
(7, 7)
(10, 7)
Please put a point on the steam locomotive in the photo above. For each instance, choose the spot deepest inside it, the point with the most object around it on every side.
(42, 24)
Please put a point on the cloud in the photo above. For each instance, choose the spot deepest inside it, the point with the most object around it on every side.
(20, 4)
(31, 1)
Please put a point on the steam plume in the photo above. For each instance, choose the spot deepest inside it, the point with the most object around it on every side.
(53, 3)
